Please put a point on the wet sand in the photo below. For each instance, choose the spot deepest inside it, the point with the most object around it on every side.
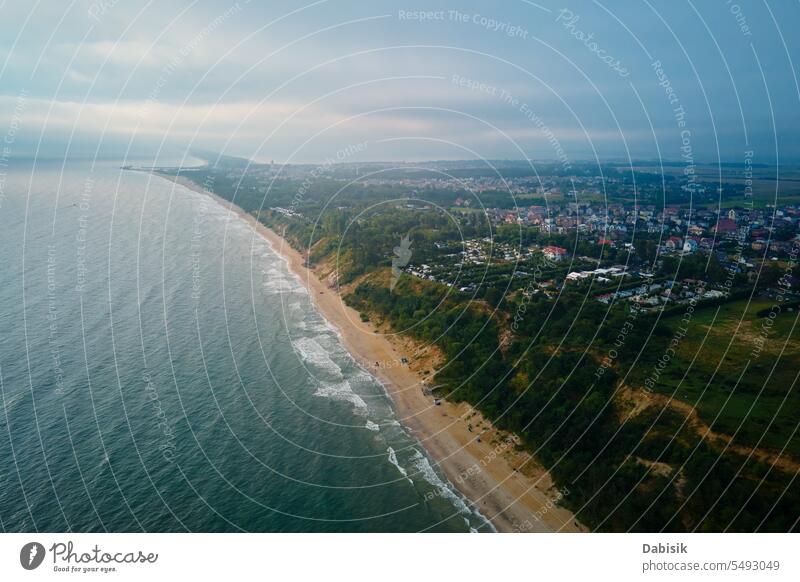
(506, 485)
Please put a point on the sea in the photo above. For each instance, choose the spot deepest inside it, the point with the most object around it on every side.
(162, 370)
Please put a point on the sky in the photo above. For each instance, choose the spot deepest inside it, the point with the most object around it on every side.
(377, 81)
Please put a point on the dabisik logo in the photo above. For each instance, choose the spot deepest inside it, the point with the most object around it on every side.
(31, 555)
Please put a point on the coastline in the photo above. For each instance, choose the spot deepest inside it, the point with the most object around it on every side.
(507, 486)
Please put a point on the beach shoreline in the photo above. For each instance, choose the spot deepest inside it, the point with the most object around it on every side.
(503, 483)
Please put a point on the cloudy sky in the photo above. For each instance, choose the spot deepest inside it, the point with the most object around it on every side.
(298, 82)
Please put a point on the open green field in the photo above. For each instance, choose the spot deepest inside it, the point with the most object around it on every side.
(761, 199)
(735, 386)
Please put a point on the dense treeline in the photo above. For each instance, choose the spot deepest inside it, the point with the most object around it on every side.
(645, 473)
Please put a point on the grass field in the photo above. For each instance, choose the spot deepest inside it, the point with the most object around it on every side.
(736, 387)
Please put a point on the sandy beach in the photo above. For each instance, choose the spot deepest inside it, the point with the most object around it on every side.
(507, 486)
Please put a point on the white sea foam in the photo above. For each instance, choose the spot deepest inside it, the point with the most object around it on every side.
(313, 353)
(280, 286)
(344, 392)
(322, 324)
(362, 377)
(372, 426)
(317, 327)
(277, 282)
(423, 467)
(393, 461)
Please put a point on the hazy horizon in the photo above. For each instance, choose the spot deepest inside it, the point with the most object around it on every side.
(299, 83)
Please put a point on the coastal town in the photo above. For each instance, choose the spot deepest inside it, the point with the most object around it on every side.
(605, 233)
(619, 251)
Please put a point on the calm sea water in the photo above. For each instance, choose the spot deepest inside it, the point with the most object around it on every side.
(162, 370)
